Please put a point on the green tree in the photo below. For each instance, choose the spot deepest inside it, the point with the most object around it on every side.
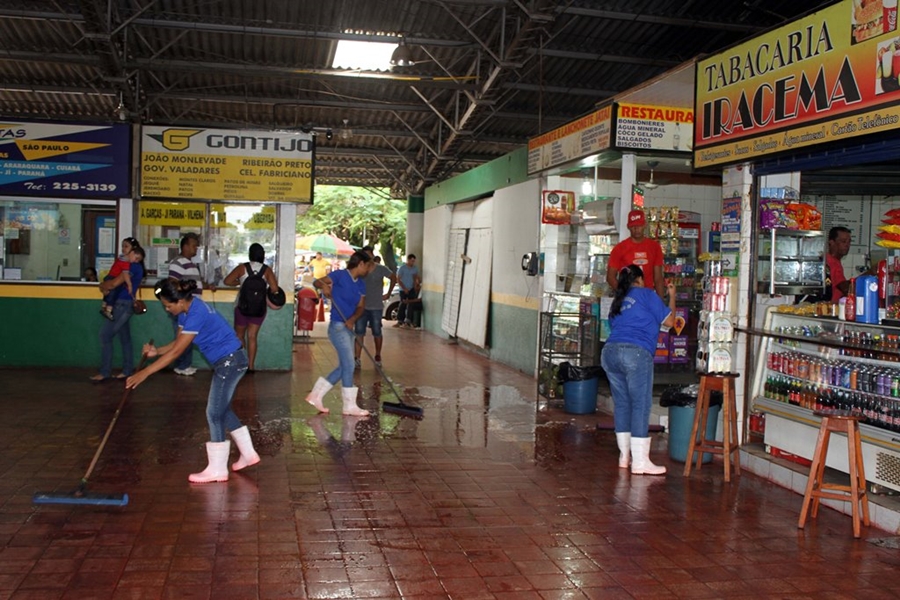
(358, 215)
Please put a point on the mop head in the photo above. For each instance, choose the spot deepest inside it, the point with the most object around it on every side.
(404, 410)
(82, 498)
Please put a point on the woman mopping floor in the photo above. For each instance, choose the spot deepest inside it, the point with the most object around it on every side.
(200, 324)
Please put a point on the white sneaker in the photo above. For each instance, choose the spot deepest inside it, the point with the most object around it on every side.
(186, 372)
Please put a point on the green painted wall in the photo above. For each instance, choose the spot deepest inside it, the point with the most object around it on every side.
(513, 334)
(65, 332)
(499, 173)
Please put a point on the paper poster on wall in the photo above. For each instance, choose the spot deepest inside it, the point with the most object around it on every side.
(557, 207)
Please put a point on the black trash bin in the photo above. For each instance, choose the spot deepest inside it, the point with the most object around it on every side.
(580, 386)
(682, 404)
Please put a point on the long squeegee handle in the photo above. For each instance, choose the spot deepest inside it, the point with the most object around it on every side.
(109, 429)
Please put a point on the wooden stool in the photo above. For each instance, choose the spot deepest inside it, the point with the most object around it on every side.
(844, 422)
(712, 382)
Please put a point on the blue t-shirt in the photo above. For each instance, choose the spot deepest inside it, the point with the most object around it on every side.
(345, 294)
(406, 275)
(137, 275)
(213, 335)
(643, 311)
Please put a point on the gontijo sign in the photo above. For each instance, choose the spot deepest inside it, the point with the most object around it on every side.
(226, 164)
(822, 78)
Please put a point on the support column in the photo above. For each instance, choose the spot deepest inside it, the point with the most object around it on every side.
(629, 178)
(415, 226)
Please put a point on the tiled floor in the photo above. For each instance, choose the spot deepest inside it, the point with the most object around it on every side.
(480, 499)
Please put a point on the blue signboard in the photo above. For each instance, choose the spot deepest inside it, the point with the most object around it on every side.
(65, 160)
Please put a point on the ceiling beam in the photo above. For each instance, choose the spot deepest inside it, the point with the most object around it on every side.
(603, 57)
(658, 19)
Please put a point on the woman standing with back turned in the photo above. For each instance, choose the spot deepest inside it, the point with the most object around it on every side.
(635, 318)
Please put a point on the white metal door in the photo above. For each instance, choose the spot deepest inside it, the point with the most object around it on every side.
(476, 288)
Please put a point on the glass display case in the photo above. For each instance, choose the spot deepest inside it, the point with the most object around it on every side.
(791, 262)
(565, 337)
(806, 363)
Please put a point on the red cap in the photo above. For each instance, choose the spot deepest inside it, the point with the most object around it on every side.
(636, 218)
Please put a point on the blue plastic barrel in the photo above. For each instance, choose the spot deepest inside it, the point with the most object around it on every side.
(681, 421)
(580, 397)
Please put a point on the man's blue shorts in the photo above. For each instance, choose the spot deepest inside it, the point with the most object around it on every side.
(371, 318)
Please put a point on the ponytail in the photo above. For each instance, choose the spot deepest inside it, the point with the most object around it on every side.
(624, 281)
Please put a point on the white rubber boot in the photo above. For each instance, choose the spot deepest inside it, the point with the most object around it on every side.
(244, 445)
(217, 469)
(624, 442)
(348, 395)
(640, 458)
(318, 393)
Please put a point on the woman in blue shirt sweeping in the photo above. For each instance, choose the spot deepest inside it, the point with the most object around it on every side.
(635, 318)
(347, 290)
(201, 324)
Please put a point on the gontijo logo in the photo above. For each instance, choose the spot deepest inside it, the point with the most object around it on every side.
(176, 140)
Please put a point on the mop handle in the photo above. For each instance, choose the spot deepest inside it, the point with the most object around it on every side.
(361, 340)
(112, 424)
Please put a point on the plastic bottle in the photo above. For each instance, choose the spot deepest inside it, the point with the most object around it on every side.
(850, 304)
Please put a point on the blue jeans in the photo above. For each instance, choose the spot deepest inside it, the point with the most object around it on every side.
(404, 314)
(343, 340)
(369, 317)
(630, 372)
(122, 312)
(184, 361)
(227, 372)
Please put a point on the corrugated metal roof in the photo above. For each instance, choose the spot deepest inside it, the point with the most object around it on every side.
(489, 74)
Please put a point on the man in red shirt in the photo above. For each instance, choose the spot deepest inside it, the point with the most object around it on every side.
(638, 250)
(838, 248)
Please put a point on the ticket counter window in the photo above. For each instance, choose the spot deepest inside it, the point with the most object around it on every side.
(226, 232)
(54, 241)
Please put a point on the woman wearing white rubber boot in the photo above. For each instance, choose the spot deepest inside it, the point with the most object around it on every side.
(199, 323)
(635, 318)
(347, 290)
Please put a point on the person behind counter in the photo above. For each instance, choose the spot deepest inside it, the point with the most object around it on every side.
(637, 250)
(838, 248)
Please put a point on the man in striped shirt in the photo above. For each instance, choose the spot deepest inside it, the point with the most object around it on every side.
(183, 267)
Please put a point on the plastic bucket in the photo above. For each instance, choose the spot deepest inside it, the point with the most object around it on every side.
(580, 397)
(681, 421)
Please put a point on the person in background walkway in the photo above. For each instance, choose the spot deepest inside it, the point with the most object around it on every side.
(122, 311)
(635, 318)
(347, 290)
(201, 324)
(319, 267)
(131, 252)
(247, 327)
(410, 285)
(183, 268)
(374, 306)
(838, 248)
(637, 250)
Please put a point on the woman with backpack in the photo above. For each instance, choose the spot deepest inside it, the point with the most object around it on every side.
(255, 279)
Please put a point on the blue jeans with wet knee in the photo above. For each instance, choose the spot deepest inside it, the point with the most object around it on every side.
(227, 372)
(118, 327)
(630, 372)
(343, 340)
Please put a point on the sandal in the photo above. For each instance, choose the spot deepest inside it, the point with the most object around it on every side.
(121, 376)
(98, 379)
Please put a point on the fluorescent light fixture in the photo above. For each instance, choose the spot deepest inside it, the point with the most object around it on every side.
(366, 56)
(587, 189)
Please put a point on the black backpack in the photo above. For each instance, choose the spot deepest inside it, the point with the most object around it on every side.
(252, 297)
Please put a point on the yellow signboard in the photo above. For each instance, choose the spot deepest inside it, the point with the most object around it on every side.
(651, 127)
(170, 214)
(223, 164)
(588, 135)
(831, 75)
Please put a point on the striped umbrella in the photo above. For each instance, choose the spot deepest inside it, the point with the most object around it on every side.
(325, 243)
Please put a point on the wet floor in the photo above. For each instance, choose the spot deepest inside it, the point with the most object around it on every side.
(481, 498)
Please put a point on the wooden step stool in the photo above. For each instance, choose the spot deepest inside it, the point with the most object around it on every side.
(847, 422)
(712, 382)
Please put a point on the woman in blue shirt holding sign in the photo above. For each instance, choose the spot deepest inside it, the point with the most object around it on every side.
(635, 318)
(201, 324)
